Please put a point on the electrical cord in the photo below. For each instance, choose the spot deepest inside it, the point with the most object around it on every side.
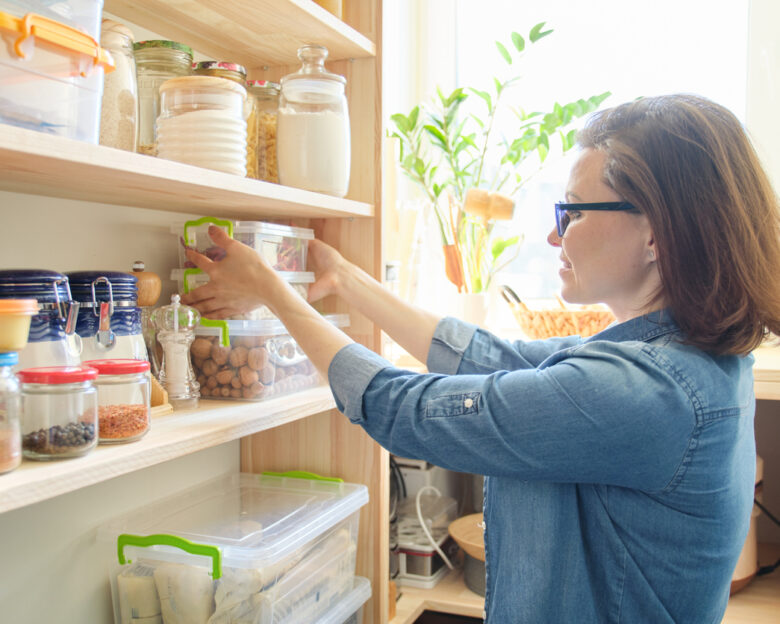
(424, 526)
(767, 569)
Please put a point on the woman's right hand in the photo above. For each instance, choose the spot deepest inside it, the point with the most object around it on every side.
(326, 263)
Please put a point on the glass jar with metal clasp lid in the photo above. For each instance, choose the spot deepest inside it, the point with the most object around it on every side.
(53, 340)
(59, 411)
(263, 100)
(313, 127)
(109, 319)
(156, 61)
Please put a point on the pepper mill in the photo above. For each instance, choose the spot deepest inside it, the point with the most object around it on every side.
(149, 287)
(175, 325)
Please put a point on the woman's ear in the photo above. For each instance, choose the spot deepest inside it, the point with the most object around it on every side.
(652, 254)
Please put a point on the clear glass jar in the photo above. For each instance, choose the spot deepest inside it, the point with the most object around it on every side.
(313, 145)
(59, 411)
(10, 407)
(124, 399)
(202, 123)
(261, 130)
(156, 61)
(119, 108)
(221, 69)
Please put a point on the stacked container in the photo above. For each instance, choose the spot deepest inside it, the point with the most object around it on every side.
(243, 548)
(52, 81)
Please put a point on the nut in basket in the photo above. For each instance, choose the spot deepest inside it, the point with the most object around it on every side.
(551, 322)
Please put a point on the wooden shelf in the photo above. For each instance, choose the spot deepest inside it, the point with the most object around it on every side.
(171, 436)
(254, 33)
(40, 164)
(766, 373)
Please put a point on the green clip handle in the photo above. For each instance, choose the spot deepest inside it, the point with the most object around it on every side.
(185, 274)
(213, 220)
(302, 474)
(224, 334)
(163, 539)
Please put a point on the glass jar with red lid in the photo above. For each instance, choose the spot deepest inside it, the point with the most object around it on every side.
(59, 411)
(124, 393)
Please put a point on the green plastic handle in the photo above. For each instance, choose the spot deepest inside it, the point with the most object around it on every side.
(224, 334)
(302, 474)
(213, 220)
(186, 273)
(163, 539)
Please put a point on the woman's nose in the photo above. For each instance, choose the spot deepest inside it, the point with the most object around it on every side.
(553, 238)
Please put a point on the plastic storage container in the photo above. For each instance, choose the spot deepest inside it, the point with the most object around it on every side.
(59, 411)
(52, 80)
(261, 160)
(109, 319)
(313, 135)
(156, 61)
(251, 360)
(283, 247)
(202, 122)
(119, 109)
(52, 337)
(242, 548)
(124, 399)
(10, 409)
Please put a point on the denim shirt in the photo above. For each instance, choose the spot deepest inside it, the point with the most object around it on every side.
(620, 468)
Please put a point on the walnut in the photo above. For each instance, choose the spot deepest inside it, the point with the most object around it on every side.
(236, 382)
(209, 368)
(220, 354)
(235, 393)
(257, 358)
(201, 348)
(238, 357)
(248, 376)
(225, 392)
(224, 377)
(211, 382)
(267, 374)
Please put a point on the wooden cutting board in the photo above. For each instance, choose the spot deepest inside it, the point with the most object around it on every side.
(467, 532)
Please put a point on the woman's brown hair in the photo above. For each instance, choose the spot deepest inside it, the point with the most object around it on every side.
(687, 163)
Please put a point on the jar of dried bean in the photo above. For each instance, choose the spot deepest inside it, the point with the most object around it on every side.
(124, 391)
(261, 130)
(10, 406)
(59, 411)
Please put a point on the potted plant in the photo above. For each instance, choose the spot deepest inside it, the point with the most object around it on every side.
(470, 173)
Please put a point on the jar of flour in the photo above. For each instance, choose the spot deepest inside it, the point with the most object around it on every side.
(313, 138)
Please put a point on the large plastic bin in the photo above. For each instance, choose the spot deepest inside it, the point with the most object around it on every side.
(51, 70)
(242, 548)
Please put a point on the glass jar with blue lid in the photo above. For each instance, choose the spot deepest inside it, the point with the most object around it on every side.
(109, 318)
(52, 338)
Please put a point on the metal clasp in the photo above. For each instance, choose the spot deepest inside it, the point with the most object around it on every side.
(105, 338)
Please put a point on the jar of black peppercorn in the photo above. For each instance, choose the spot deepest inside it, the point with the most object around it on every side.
(59, 411)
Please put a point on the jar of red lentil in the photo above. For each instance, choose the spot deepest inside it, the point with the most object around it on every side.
(124, 392)
(59, 411)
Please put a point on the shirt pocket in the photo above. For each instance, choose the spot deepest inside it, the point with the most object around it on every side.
(448, 405)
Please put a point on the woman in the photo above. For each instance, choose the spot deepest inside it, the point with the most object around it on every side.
(621, 467)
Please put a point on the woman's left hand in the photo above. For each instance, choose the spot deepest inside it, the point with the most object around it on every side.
(237, 283)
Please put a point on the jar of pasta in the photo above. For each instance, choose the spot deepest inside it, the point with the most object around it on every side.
(156, 61)
(261, 130)
(202, 123)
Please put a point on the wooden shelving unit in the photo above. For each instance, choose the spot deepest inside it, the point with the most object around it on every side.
(171, 436)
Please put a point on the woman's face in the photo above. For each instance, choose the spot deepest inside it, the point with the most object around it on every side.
(608, 257)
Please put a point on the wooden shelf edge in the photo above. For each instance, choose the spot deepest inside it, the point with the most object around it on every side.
(40, 164)
(254, 33)
(450, 595)
(171, 436)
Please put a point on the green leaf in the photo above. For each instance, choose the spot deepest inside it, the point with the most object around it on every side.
(500, 245)
(456, 96)
(518, 41)
(504, 52)
(412, 119)
(419, 166)
(571, 140)
(498, 85)
(437, 134)
(537, 33)
(400, 120)
(485, 96)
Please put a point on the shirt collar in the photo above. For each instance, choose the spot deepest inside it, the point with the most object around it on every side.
(644, 328)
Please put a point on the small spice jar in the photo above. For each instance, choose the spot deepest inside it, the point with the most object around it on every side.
(124, 391)
(119, 108)
(202, 123)
(10, 407)
(156, 61)
(261, 130)
(59, 411)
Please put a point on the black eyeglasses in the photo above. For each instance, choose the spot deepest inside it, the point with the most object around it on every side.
(562, 218)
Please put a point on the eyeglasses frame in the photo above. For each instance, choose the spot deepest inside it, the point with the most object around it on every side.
(561, 207)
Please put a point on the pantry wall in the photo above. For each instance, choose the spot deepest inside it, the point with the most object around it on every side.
(58, 216)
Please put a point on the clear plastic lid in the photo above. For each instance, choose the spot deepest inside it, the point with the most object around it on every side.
(253, 520)
(312, 83)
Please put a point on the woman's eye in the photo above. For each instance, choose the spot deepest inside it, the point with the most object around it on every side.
(573, 214)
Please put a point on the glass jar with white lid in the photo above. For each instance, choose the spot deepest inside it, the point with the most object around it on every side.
(313, 135)
(202, 122)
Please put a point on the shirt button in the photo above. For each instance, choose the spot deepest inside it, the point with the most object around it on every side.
(468, 403)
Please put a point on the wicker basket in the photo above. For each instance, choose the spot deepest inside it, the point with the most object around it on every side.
(551, 322)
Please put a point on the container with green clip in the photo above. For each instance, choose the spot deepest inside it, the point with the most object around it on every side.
(269, 548)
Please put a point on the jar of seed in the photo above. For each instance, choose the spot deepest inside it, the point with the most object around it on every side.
(263, 98)
(59, 411)
(124, 391)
